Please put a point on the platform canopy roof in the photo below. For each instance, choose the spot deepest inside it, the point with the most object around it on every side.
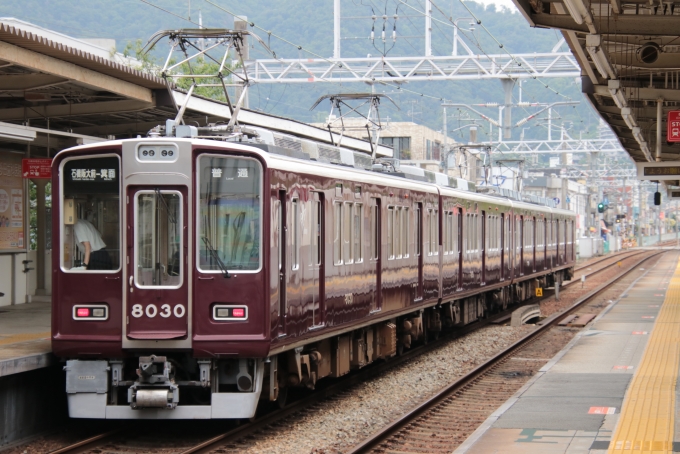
(629, 54)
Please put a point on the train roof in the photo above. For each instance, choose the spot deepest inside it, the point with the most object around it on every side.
(291, 153)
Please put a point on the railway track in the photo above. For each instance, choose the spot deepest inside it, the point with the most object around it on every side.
(323, 392)
(445, 420)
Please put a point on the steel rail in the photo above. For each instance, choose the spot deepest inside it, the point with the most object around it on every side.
(356, 378)
(86, 444)
(391, 429)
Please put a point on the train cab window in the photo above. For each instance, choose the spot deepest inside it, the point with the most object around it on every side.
(90, 220)
(158, 238)
(229, 214)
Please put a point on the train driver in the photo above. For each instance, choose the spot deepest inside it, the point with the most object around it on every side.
(91, 245)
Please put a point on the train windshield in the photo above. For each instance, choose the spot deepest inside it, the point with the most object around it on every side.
(229, 214)
(90, 191)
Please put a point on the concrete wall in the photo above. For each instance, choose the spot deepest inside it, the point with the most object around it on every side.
(32, 402)
(20, 295)
(32, 276)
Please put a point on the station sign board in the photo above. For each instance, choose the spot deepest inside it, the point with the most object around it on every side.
(669, 170)
(673, 126)
(674, 193)
(36, 168)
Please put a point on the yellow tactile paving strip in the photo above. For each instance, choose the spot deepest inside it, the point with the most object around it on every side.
(648, 415)
(24, 337)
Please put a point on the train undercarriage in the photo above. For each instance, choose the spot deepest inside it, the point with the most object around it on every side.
(177, 386)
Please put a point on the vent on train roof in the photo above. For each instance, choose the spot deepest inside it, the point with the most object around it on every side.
(287, 142)
(328, 154)
(515, 195)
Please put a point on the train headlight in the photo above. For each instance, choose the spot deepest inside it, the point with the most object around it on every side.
(228, 312)
(90, 312)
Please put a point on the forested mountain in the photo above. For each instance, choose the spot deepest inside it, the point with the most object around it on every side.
(309, 23)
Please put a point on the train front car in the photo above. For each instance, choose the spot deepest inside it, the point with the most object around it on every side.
(159, 282)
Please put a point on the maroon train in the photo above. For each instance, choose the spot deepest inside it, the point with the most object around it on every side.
(240, 269)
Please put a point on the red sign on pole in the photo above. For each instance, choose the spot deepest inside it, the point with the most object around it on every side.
(36, 168)
(673, 127)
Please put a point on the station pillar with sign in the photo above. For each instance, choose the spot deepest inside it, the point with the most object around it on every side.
(40, 172)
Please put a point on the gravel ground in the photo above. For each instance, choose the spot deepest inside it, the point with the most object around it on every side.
(346, 420)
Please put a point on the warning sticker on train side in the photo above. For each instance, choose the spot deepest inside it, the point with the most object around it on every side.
(539, 291)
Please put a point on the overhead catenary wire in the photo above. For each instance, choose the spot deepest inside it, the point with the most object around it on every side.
(303, 49)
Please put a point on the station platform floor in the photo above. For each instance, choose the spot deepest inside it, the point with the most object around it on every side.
(25, 337)
(612, 389)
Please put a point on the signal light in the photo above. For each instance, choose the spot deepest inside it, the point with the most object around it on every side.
(600, 207)
(83, 312)
(657, 198)
(239, 312)
(91, 312)
(226, 312)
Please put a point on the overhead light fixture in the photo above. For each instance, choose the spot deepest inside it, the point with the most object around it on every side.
(578, 10)
(637, 133)
(16, 133)
(628, 117)
(599, 57)
(648, 53)
(645, 151)
(616, 91)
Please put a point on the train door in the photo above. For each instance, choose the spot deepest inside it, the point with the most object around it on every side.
(157, 286)
(484, 247)
(281, 240)
(294, 315)
(316, 260)
(376, 252)
(419, 249)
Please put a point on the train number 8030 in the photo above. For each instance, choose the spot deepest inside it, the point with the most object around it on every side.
(151, 311)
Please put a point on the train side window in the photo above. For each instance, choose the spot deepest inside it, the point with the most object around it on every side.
(457, 231)
(418, 231)
(358, 234)
(294, 234)
(316, 232)
(90, 200)
(447, 232)
(337, 234)
(435, 236)
(374, 232)
(390, 233)
(347, 233)
(396, 235)
(405, 232)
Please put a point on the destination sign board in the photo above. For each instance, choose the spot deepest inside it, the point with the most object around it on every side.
(669, 170)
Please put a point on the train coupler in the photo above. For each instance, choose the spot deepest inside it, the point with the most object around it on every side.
(155, 387)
